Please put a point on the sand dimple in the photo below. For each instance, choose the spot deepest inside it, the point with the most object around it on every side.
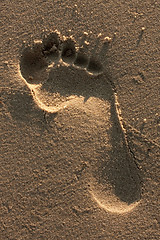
(81, 60)
(74, 85)
(94, 66)
(68, 51)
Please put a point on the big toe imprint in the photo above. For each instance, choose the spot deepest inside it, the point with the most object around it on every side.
(61, 78)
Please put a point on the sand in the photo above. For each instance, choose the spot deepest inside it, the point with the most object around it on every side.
(80, 93)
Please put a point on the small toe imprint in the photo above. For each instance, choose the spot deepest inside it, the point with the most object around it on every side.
(68, 51)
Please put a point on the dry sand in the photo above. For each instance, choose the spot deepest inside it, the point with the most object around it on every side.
(80, 93)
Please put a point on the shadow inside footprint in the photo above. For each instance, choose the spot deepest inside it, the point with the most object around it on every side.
(119, 168)
(124, 173)
(33, 64)
(81, 60)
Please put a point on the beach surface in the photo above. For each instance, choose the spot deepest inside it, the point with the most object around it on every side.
(80, 120)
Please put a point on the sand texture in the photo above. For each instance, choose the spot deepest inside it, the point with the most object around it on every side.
(80, 120)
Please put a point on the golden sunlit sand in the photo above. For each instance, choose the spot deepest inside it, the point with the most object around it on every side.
(79, 120)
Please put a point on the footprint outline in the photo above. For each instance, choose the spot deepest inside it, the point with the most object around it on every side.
(65, 55)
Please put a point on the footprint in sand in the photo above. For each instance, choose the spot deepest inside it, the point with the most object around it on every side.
(65, 80)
